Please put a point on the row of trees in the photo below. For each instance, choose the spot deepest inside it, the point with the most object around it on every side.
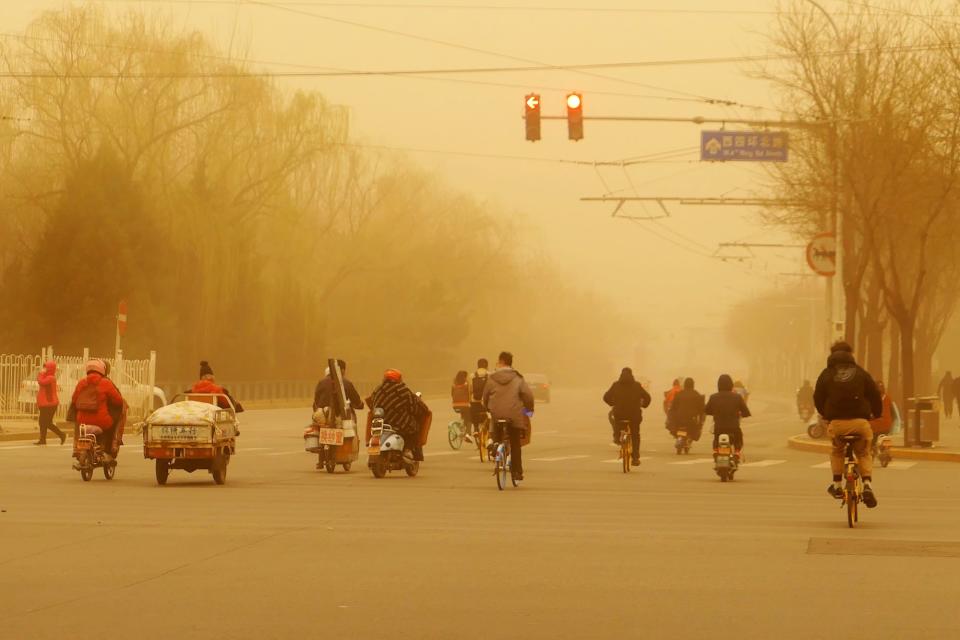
(241, 222)
(885, 84)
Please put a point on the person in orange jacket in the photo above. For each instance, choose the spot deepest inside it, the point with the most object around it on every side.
(48, 402)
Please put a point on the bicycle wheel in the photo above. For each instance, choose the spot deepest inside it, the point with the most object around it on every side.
(851, 501)
(499, 472)
(625, 453)
(455, 434)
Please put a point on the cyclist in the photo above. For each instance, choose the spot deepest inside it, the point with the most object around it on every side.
(727, 407)
(460, 395)
(883, 425)
(478, 380)
(847, 397)
(628, 399)
(687, 411)
(508, 397)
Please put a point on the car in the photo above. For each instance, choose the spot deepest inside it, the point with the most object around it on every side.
(540, 385)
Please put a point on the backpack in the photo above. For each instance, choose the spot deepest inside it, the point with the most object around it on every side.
(88, 399)
(847, 392)
(478, 384)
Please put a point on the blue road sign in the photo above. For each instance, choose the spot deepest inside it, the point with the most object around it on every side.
(744, 146)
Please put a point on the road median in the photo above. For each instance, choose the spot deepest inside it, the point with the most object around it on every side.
(802, 442)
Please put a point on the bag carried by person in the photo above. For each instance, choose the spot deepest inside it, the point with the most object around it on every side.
(478, 384)
(88, 399)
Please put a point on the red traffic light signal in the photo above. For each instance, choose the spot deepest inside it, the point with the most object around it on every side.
(531, 115)
(575, 116)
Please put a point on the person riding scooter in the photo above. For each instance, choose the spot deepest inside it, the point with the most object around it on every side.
(403, 410)
(727, 408)
(92, 401)
(687, 411)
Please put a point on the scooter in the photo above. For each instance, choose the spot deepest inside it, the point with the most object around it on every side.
(884, 450)
(725, 460)
(90, 454)
(817, 428)
(682, 442)
(387, 451)
(806, 412)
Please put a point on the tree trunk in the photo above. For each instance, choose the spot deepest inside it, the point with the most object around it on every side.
(874, 359)
(907, 362)
(894, 386)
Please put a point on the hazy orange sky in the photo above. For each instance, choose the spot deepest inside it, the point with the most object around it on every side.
(661, 270)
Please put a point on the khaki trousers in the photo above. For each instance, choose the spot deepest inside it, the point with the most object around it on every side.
(861, 447)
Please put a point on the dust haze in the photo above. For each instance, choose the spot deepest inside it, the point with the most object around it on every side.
(193, 159)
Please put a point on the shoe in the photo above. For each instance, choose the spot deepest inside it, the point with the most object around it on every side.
(467, 438)
(518, 477)
(869, 498)
(834, 491)
(636, 462)
(63, 438)
(39, 443)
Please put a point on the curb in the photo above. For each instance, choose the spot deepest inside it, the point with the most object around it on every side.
(803, 443)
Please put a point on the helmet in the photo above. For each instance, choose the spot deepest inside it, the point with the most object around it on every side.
(97, 366)
(392, 375)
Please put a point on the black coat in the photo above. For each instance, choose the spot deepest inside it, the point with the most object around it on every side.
(687, 409)
(845, 391)
(726, 407)
(325, 395)
(628, 399)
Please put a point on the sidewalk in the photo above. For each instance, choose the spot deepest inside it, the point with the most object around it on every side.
(946, 449)
(30, 430)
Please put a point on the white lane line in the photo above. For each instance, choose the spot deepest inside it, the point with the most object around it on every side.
(617, 460)
(822, 465)
(762, 463)
(901, 464)
(696, 461)
(284, 453)
(559, 459)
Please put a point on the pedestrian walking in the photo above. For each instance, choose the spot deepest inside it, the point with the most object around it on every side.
(945, 391)
(48, 402)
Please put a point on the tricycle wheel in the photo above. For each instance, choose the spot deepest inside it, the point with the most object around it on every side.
(346, 467)
(330, 466)
(219, 468)
(109, 469)
(379, 469)
(163, 470)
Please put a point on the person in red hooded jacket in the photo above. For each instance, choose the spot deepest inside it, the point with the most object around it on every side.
(208, 384)
(48, 402)
(107, 395)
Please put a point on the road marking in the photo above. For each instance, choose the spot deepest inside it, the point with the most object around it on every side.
(821, 465)
(560, 459)
(695, 461)
(762, 463)
(617, 460)
(901, 464)
(283, 453)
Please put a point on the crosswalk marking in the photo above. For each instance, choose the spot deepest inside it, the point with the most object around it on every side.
(762, 463)
(822, 465)
(559, 459)
(694, 461)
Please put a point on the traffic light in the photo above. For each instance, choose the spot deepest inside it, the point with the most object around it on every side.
(575, 116)
(531, 114)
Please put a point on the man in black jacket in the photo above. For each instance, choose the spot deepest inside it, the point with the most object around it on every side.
(847, 397)
(628, 399)
(727, 408)
(687, 411)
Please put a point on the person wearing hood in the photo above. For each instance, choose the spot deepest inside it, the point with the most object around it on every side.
(727, 408)
(208, 384)
(628, 399)
(478, 381)
(48, 402)
(403, 410)
(507, 396)
(92, 399)
(687, 411)
(848, 398)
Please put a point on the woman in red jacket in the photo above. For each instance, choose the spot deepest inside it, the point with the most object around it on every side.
(94, 395)
(48, 402)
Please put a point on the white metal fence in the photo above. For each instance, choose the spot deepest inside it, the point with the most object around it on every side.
(18, 382)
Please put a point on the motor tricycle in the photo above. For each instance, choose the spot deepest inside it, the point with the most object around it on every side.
(196, 431)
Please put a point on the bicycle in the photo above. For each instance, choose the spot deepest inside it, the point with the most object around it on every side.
(480, 437)
(455, 434)
(501, 457)
(853, 483)
(626, 445)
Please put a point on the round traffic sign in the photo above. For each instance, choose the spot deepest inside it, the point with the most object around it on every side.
(822, 254)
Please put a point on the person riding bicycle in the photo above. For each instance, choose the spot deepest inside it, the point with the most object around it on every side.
(805, 397)
(402, 409)
(460, 397)
(687, 411)
(727, 408)
(507, 396)
(478, 380)
(847, 397)
(628, 399)
(883, 425)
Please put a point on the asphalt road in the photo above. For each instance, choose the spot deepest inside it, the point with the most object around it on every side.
(580, 550)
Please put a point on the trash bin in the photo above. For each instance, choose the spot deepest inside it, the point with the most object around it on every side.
(929, 410)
